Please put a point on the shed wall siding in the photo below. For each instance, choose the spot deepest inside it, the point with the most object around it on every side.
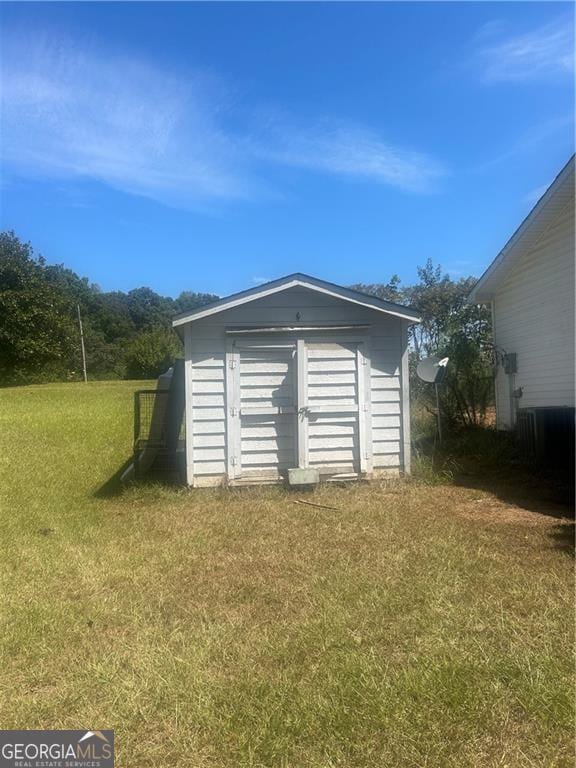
(206, 352)
(534, 317)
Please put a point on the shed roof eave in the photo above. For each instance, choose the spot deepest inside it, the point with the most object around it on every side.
(292, 281)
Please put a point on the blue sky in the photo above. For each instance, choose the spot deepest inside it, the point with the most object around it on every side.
(210, 146)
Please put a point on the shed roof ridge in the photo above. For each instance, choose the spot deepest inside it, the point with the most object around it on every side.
(291, 280)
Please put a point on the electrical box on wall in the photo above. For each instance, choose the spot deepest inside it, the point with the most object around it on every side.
(510, 362)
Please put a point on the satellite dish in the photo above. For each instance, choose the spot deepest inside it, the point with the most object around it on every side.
(432, 369)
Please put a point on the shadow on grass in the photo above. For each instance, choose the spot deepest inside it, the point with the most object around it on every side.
(563, 537)
(486, 460)
(515, 485)
(114, 485)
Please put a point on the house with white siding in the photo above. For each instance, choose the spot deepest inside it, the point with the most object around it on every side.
(530, 287)
(296, 379)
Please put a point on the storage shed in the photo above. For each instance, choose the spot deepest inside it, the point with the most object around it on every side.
(296, 373)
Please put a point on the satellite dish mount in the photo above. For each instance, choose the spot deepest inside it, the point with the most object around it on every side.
(433, 370)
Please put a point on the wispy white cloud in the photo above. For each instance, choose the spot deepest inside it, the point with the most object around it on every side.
(529, 140)
(460, 268)
(343, 148)
(534, 195)
(541, 53)
(72, 110)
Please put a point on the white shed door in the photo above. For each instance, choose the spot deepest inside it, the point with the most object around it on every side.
(296, 404)
(332, 418)
(268, 396)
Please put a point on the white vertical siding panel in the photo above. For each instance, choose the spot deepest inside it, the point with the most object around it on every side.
(534, 317)
(365, 416)
(206, 397)
(267, 441)
(333, 384)
(388, 406)
(406, 447)
(189, 412)
(302, 402)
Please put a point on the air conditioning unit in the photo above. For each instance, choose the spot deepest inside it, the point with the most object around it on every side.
(526, 431)
(547, 434)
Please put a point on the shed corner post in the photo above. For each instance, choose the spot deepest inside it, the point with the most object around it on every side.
(302, 403)
(365, 437)
(189, 415)
(405, 382)
(232, 410)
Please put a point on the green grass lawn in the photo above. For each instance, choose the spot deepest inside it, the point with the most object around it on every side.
(415, 625)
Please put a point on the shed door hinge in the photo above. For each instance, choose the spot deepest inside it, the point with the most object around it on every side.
(232, 411)
(233, 461)
(232, 362)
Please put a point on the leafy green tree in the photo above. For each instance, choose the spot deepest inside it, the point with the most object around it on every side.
(189, 300)
(450, 327)
(148, 309)
(453, 328)
(468, 389)
(151, 353)
(390, 291)
(39, 338)
(36, 317)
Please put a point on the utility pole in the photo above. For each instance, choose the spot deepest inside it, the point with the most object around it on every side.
(82, 344)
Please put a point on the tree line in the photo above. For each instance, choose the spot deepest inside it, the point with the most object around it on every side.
(129, 335)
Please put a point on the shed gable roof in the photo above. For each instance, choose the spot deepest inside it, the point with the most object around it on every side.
(558, 195)
(297, 280)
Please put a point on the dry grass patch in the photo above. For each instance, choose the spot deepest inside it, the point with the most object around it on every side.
(412, 626)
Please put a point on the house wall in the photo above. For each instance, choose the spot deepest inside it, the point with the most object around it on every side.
(533, 313)
(205, 342)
